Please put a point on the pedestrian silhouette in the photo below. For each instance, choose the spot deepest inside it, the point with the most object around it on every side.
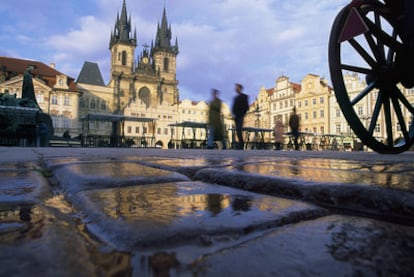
(294, 127)
(215, 121)
(240, 108)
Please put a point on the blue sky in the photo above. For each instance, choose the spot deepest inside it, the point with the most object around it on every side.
(220, 41)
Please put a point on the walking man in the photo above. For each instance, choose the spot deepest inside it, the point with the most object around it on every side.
(215, 122)
(240, 108)
(294, 127)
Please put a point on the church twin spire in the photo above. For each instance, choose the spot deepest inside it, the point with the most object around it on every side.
(163, 38)
(122, 30)
(122, 33)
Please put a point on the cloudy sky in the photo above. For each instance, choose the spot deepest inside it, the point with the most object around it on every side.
(220, 41)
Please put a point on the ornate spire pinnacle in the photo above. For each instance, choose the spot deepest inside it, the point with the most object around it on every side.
(163, 38)
(122, 29)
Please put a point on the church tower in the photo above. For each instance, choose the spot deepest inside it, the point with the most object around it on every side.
(122, 46)
(165, 59)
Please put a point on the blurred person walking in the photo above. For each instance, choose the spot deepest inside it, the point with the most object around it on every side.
(240, 108)
(294, 127)
(215, 122)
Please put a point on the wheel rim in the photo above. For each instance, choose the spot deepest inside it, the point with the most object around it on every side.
(371, 57)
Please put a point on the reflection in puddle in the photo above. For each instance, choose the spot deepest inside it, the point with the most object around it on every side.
(322, 170)
(161, 263)
(191, 162)
(24, 222)
(166, 204)
(116, 169)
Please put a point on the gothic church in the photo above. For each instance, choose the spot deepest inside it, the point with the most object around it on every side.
(142, 87)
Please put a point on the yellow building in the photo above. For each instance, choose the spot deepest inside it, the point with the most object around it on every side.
(282, 101)
(312, 104)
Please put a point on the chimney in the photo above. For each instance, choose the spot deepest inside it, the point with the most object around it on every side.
(52, 65)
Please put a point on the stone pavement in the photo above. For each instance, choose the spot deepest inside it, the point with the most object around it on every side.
(153, 212)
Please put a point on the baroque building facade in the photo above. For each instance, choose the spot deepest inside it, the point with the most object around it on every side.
(56, 93)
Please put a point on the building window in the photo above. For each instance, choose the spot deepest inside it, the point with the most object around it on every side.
(314, 114)
(54, 99)
(66, 101)
(92, 104)
(338, 128)
(166, 64)
(321, 100)
(82, 103)
(136, 130)
(338, 113)
(360, 110)
(377, 128)
(144, 130)
(306, 103)
(314, 101)
(124, 58)
(322, 114)
(103, 105)
(306, 115)
(158, 131)
(165, 131)
(129, 129)
(67, 123)
(39, 98)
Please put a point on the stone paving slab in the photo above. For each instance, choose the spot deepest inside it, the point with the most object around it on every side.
(328, 246)
(390, 204)
(47, 240)
(182, 212)
(76, 176)
(21, 184)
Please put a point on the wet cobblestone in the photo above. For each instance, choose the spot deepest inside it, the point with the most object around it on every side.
(143, 212)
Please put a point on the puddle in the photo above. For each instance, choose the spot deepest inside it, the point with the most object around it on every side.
(177, 203)
(116, 169)
(336, 171)
(198, 162)
(172, 212)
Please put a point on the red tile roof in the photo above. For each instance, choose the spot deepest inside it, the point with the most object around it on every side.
(15, 67)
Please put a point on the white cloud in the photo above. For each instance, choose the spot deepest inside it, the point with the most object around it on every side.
(91, 36)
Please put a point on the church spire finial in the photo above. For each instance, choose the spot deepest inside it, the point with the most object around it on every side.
(122, 30)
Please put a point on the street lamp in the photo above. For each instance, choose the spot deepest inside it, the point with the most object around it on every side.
(257, 112)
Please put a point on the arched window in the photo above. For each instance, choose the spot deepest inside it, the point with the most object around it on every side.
(166, 64)
(124, 58)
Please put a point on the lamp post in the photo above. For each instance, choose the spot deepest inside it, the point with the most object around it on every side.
(257, 112)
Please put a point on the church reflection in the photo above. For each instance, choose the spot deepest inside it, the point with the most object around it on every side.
(162, 204)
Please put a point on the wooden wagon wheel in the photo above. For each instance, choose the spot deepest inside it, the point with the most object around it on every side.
(365, 41)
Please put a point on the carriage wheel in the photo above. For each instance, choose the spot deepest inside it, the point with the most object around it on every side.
(365, 43)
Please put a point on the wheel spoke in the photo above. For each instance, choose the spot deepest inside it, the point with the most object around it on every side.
(379, 42)
(356, 69)
(388, 122)
(382, 36)
(397, 92)
(364, 54)
(400, 117)
(375, 113)
(391, 52)
(363, 93)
